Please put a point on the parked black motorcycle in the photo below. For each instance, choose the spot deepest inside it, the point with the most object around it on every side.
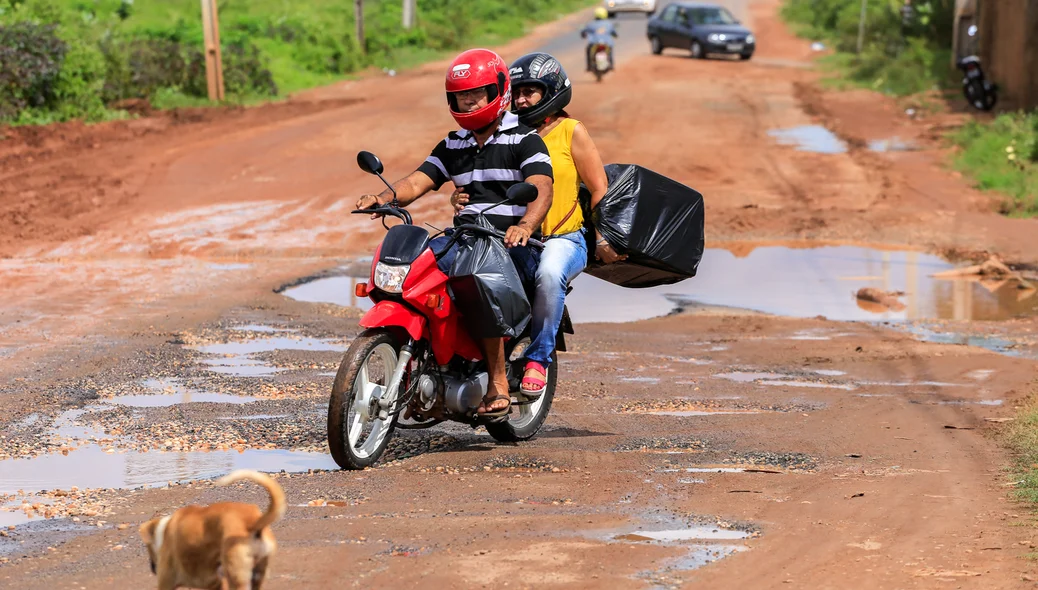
(980, 93)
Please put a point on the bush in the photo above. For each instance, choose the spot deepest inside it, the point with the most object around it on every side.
(31, 57)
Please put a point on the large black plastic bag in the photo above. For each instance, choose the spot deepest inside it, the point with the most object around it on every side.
(487, 290)
(657, 222)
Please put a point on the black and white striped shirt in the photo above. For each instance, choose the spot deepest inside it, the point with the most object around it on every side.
(514, 153)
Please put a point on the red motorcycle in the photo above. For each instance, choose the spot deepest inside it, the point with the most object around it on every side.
(415, 355)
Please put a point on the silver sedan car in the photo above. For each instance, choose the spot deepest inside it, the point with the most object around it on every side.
(647, 7)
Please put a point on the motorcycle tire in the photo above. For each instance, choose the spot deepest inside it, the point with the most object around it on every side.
(354, 373)
(525, 421)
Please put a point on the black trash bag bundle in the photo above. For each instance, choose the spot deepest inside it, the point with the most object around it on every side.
(657, 222)
(486, 287)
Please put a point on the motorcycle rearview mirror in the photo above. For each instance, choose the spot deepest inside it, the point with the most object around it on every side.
(370, 163)
(522, 193)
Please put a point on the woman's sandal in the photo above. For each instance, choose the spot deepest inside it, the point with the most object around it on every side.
(540, 383)
(484, 413)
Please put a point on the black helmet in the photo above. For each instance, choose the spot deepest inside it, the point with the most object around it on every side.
(545, 71)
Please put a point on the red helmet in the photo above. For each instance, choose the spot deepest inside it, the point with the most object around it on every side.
(479, 68)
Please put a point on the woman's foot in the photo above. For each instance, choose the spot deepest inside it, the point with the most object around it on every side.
(535, 380)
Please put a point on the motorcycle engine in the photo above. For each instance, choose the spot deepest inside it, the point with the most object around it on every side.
(463, 396)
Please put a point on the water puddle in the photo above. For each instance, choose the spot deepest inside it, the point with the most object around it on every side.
(780, 280)
(706, 470)
(894, 144)
(254, 417)
(693, 533)
(234, 358)
(230, 266)
(172, 392)
(691, 481)
(651, 380)
(810, 138)
(744, 377)
(334, 290)
(261, 329)
(9, 518)
(684, 414)
(92, 467)
(810, 384)
(805, 283)
(965, 402)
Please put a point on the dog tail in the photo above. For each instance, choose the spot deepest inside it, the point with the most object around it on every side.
(277, 496)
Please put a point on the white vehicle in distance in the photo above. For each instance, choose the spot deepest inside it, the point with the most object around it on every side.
(648, 7)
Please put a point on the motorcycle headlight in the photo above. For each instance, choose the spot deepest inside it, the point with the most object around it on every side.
(750, 39)
(390, 278)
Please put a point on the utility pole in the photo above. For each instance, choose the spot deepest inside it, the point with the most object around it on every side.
(213, 59)
(410, 9)
(861, 25)
(358, 16)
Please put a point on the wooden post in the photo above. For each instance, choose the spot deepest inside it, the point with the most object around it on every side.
(358, 16)
(409, 13)
(861, 25)
(213, 59)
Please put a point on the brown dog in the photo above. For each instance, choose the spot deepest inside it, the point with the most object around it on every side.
(221, 546)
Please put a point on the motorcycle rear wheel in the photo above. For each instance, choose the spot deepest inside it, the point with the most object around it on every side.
(357, 437)
(525, 420)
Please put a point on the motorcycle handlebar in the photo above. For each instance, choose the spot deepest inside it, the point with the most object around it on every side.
(495, 233)
(390, 210)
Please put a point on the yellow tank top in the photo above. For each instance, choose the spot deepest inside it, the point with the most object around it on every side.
(567, 181)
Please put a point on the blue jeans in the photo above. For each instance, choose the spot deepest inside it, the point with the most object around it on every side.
(562, 260)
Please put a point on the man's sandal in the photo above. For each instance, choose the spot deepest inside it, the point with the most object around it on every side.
(540, 384)
(485, 413)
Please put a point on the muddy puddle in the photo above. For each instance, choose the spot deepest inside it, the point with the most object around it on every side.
(704, 543)
(170, 392)
(810, 138)
(237, 359)
(93, 467)
(793, 282)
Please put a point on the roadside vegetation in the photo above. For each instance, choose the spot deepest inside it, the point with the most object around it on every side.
(910, 57)
(897, 57)
(1003, 156)
(1022, 436)
(83, 59)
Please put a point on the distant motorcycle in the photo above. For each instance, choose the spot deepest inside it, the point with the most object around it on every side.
(981, 94)
(601, 61)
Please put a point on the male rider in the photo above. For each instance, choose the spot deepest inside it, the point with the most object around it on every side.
(491, 152)
(599, 31)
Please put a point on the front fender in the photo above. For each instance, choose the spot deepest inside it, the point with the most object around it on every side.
(391, 313)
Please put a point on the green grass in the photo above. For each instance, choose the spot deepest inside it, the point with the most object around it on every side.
(889, 62)
(1022, 438)
(1002, 156)
(301, 44)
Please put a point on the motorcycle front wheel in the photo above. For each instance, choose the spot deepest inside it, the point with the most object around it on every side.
(357, 436)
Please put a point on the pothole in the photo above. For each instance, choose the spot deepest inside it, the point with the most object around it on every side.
(92, 467)
(662, 445)
(812, 282)
(709, 407)
(238, 358)
(810, 138)
(169, 392)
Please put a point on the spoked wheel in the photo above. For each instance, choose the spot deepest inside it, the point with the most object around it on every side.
(357, 436)
(527, 414)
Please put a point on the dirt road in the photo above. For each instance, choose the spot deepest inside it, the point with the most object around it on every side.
(753, 427)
